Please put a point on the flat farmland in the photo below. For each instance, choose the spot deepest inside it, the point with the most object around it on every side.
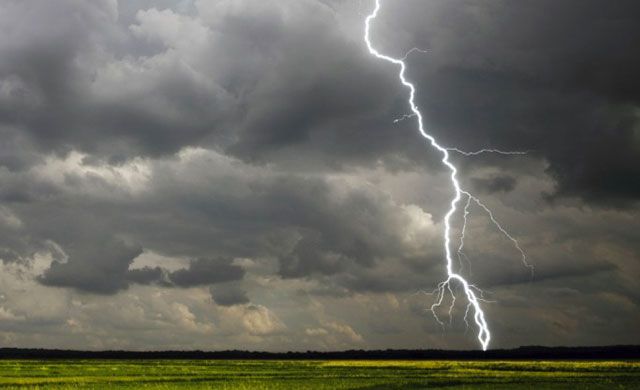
(325, 374)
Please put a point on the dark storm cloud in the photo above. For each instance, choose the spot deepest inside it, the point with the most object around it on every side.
(215, 207)
(501, 183)
(98, 268)
(272, 89)
(556, 78)
(148, 275)
(94, 84)
(562, 270)
(207, 271)
(252, 143)
(228, 295)
(200, 272)
(16, 151)
(52, 65)
(105, 270)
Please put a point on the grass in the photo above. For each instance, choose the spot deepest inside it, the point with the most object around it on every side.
(367, 374)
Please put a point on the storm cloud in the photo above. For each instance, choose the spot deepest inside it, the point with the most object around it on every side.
(231, 173)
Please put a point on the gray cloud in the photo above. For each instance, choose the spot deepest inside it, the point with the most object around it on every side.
(148, 275)
(228, 295)
(312, 226)
(341, 105)
(520, 77)
(207, 271)
(158, 155)
(98, 268)
(494, 184)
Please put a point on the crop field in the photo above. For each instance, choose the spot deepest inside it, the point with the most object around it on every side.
(331, 374)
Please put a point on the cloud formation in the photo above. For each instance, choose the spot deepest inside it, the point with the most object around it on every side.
(228, 174)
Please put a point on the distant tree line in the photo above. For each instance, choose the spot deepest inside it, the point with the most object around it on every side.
(522, 353)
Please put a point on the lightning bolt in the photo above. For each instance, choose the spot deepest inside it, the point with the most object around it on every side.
(405, 116)
(415, 49)
(473, 294)
(461, 254)
(482, 151)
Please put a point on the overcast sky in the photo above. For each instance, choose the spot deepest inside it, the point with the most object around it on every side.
(218, 174)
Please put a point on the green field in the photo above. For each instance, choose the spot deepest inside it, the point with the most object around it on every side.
(264, 374)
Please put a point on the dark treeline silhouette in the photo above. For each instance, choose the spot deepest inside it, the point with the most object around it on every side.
(522, 353)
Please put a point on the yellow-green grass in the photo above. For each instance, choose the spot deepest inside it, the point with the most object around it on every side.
(300, 374)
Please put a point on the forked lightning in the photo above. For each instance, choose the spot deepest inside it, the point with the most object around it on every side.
(472, 293)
